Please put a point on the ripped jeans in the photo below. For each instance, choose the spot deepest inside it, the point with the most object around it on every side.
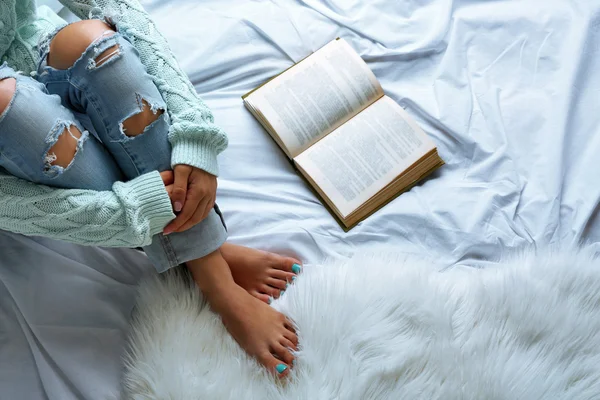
(96, 96)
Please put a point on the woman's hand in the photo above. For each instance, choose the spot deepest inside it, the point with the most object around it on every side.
(168, 179)
(193, 194)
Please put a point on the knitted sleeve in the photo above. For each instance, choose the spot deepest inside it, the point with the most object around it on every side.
(195, 139)
(127, 216)
(8, 24)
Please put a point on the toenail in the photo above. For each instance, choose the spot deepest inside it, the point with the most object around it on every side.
(280, 368)
(287, 285)
(282, 292)
(293, 278)
(270, 300)
(296, 269)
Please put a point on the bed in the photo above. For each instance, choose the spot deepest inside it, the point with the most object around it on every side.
(507, 90)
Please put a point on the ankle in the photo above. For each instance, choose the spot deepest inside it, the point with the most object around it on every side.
(212, 274)
(226, 298)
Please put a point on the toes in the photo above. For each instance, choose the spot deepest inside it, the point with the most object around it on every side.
(278, 367)
(277, 283)
(270, 291)
(287, 264)
(282, 275)
(283, 353)
(289, 326)
(285, 342)
(265, 298)
(292, 338)
(296, 267)
(292, 265)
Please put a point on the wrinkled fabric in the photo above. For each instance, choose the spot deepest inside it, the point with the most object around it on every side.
(64, 312)
(507, 90)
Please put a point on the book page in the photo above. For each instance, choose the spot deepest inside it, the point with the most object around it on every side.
(317, 95)
(361, 157)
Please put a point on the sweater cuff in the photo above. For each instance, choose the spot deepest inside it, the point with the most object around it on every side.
(197, 144)
(197, 154)
(149, 198)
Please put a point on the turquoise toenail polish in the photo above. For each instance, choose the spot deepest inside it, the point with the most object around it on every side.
(296, 268)
(287, 285)
(293, 278)
(270, 300)
(280, 368)
(282, 292)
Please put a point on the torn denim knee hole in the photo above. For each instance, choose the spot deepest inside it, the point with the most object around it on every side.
(143, 104)
(18, 87)
(104, 50)
(6, 72)
(61, 128)
(155, 107)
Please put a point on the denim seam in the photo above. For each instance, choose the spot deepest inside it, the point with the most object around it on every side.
(89, 95)
(65, 76)
(169, 251)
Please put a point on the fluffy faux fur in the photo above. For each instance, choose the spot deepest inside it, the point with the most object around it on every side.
(393, 328)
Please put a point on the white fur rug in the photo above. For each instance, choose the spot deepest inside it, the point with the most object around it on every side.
(388, 329)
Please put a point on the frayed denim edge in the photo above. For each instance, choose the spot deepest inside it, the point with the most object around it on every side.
(53, 171)
(154, 107)
(6, 75)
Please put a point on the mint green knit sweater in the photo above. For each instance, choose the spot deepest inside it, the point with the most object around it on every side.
(133, 211)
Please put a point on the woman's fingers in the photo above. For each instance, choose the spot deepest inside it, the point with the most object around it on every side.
(182, 175)
(209, 206)
(169, 189)
(193, 195)
(167, 177)
(189, 209)
(197, 217)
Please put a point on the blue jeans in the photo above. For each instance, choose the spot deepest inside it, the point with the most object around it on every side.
(96, 98)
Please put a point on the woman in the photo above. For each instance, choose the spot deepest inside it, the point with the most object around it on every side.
(107, 140)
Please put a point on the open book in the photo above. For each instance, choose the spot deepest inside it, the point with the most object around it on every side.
(355, 146)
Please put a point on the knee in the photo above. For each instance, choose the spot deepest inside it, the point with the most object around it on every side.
(66, 145)
(8, 87)
(137, 123)
(71, 41)
(64, 148)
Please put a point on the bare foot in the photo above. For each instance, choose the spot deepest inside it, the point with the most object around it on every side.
(262, 274)
(263, 332)
(260, 330)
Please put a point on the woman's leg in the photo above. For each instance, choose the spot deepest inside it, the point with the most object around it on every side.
(98, 72)
(43, 142)
(262, 274)
(109, 84)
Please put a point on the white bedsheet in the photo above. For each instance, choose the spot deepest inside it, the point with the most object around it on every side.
(508, 90)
